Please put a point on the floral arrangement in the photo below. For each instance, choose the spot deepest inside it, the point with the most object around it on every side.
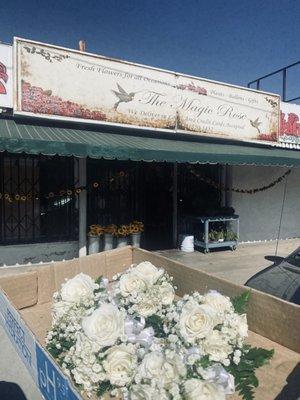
(123, 230)
(111, 229)
(120, 231)
(96, 230)
(136, 227)
(133, 339)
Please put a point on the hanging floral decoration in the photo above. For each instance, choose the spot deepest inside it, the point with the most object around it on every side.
(72, 191)
(224, 188)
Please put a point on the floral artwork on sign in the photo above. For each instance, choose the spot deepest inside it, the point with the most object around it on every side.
(79, 86)
(132, 339)
(5, 76)
(290, 123)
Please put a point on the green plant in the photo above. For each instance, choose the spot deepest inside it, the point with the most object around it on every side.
(215, 236)
(230, 236)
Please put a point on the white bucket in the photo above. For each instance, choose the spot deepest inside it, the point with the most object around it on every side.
(187, 244)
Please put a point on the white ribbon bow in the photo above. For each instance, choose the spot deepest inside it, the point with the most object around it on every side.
(137, 333)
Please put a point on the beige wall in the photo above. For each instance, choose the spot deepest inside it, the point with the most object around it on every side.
(260, 212)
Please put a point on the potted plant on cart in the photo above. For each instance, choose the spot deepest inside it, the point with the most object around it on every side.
(216, 236)
(94, 238)
(109, 233)
(136, 228)
(230, 236)
(122, 235)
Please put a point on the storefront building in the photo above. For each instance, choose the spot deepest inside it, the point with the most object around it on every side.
(58, 176)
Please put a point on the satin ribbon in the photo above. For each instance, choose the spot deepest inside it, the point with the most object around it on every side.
(137, 333)
(220, 376)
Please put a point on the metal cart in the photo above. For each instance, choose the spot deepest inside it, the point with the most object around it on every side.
(200, 228)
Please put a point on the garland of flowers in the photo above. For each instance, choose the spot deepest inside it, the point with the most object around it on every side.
(224, 188)
(131, 338)
(75, 191)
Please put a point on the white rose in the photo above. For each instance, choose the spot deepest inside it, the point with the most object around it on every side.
(105, 325)
(143, 392)
(119, 364)
(195, 389)
(131, 283)
(148, 272)
(217, 347)
(196, 321)
(219, 303)
(167, 294)
(151, 365)
(78, 288)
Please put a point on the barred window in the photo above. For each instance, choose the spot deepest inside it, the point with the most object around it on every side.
(28, 213)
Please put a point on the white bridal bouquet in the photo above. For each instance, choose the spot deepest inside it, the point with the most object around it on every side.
(132, 339)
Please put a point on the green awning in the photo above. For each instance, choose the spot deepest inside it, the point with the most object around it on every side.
(18, 137)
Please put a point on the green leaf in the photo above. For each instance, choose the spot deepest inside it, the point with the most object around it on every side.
(99, 280)
(157, 324)
(240, 302)
(103, 387)
(245, 379)
(204, 362)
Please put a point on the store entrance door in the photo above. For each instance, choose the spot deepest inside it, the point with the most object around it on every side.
(156, 196)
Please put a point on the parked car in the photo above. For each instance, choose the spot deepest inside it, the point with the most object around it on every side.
(282, 279)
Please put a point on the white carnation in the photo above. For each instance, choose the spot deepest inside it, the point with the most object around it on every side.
(167, 293)
(217, 347)
(221, 304)
(146, 308)
(151, 365)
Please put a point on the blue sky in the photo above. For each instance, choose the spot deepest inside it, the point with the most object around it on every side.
(233, 41)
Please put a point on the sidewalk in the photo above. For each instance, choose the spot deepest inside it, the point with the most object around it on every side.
(236, 266)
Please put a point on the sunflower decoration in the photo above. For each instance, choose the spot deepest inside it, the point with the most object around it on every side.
(111, 229)
(96, 230)
(123, 231)
(136, 227)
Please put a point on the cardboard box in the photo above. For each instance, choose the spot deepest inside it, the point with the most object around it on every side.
(25, 312)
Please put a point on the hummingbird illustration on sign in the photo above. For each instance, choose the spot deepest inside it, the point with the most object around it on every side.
(256, 124)
(123, 96)
(4, 77)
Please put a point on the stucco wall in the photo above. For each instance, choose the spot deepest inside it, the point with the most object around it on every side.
(260, 212)
(35, 253)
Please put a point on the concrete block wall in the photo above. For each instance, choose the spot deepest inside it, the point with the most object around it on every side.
(37, 252)
(260, 212)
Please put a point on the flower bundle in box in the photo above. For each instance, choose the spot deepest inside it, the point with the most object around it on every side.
(132, 338)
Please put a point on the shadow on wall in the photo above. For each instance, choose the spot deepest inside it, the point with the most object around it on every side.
(291, 390)
(11, 391)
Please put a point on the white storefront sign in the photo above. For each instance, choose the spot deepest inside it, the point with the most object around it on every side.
(6, 76)
(59, 83)
(289, 123)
